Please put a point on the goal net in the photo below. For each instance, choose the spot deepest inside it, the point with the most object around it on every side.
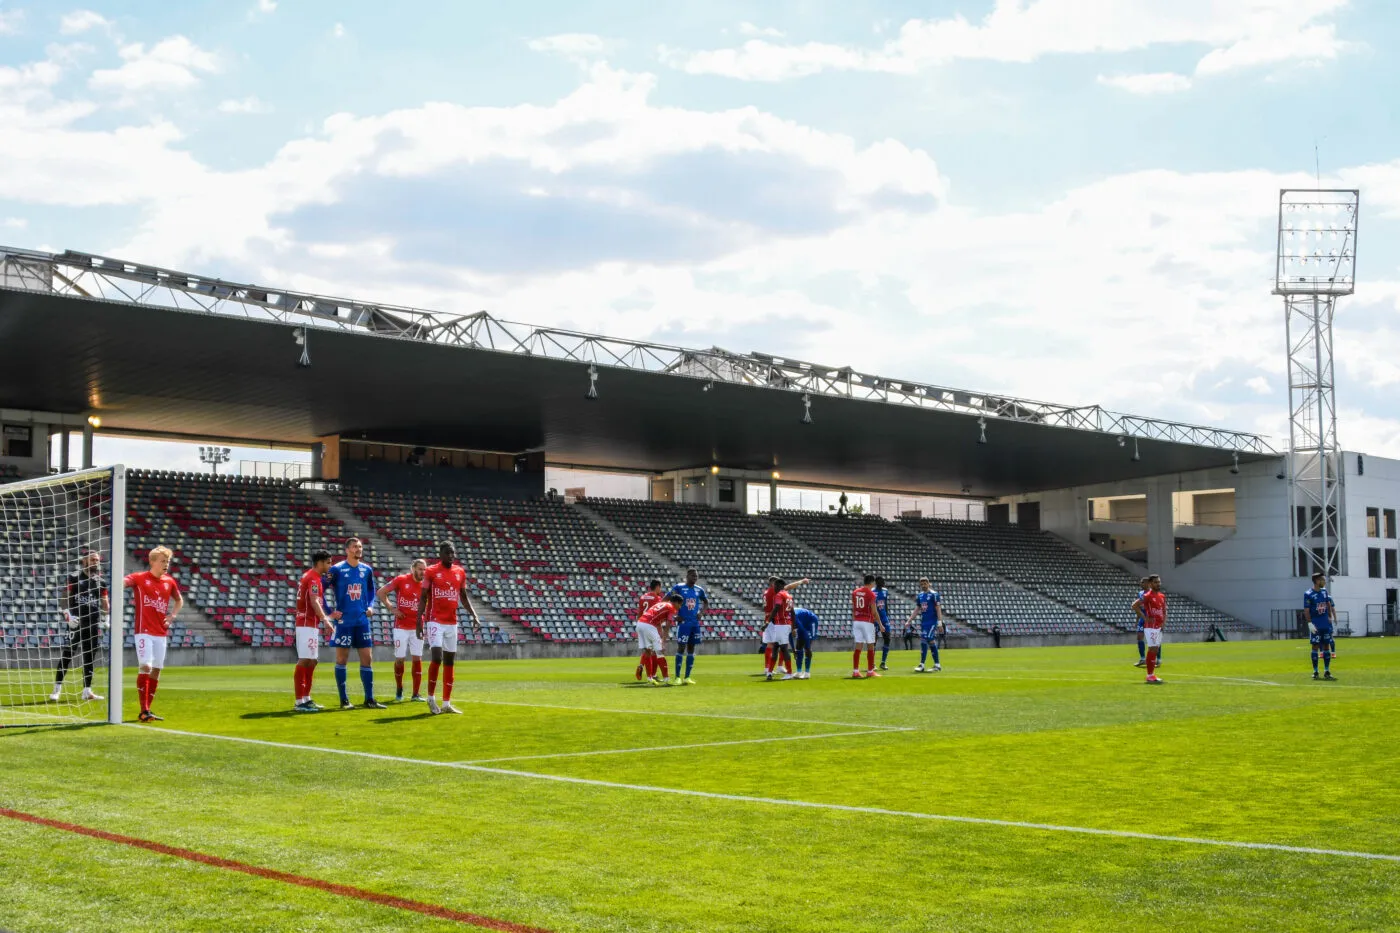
(61, 565)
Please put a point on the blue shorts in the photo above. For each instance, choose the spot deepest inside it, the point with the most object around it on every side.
(804, 636)
(1323, 635)
(928, 631)
(688, 634)
(352, 635)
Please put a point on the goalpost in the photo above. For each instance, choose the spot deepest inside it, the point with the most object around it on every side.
(56, 531)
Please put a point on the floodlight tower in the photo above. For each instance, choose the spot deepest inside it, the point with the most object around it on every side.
(1316, 266)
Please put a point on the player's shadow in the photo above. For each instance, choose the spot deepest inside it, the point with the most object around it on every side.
(290, 713)
(391, 720)
(47, 727)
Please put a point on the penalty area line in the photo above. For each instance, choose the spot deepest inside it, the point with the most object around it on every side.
(671, 748)
(272, 874)
(802, 804)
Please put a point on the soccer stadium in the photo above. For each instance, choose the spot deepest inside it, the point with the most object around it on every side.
(548, 629)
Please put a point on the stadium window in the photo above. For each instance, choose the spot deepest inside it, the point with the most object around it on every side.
(1392, 566)
(726, 490)
(19, 441)
(1373, 563)
(1389, 522)
(1373, 523)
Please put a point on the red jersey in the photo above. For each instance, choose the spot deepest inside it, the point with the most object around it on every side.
(863, 604)
(660, 613)
(1154, 609)
(153, 595)
(782, 608)
(646, 601)
(408, 592)
(311, 589)
(444, 592)
(768, 595)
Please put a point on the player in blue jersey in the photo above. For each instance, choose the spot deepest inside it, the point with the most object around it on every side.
(1141, 624)
(928, 606)
(694, 599)
(351, 583)
(882, 613)
(805, 624)
(1321, 613)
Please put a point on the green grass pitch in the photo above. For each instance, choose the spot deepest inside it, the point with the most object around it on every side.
(1239, 746)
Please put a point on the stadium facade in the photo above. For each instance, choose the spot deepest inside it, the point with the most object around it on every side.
(1207, 508)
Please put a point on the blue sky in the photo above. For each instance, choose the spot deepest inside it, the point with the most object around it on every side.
(1061, 199)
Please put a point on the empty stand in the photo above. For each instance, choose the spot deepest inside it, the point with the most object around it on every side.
(971, 594)
(1039, 561)
(544, 564)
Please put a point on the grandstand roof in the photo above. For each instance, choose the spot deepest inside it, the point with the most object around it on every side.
(161, 352)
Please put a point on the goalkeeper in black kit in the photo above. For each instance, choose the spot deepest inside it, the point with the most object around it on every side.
(87, 602)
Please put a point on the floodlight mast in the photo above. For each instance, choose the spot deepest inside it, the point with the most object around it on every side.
(1316, 265)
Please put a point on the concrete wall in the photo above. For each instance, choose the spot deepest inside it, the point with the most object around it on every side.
(1377, 487)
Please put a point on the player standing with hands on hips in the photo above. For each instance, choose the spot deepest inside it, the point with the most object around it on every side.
(158, 601)
(444, 589)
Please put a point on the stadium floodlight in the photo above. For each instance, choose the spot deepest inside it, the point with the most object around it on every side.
(65, 531)
(302, 337)
(1235, 467)
(592, 392)
(214, 456)
(982, 430)
(1314, 266)
(806, 408)
(1136, 455)
(94, 421)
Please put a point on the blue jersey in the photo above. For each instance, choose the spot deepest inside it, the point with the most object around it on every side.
(1318, 603)
(882, 604)
(928, 607)
(807, 621)
(1141, 616)
(692, 598)
(353, 588)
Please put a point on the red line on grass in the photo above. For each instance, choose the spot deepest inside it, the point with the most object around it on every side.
(344, 890)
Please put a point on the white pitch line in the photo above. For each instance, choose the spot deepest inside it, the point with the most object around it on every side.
(670, 748)
(802, 804)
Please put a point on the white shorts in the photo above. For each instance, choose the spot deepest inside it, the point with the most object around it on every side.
(308, 642)
(863, 632)
(1152, 637)
(777, 634)
(150, 651)
(442, 635)
(406, 641)
(648, 637)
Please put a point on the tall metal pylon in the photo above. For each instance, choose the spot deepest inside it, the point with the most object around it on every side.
(1316, 266)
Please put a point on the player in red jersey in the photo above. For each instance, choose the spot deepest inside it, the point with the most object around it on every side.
(863, 627)
(444, 589)
(778, 632)
(311, 618)
(158, 601)
(651, 634)
(774, 585)
(1153, 607)
(408, 594)
(651, 661)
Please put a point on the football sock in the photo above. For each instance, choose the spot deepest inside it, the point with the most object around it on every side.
(417, 675)
(340, 676)
(432, 677)
(306, 679)
(787, 662)
(870, 658)
(808, 668)
(660, 661)
(398, 676)
(1159, 654)
(1314, 660)
(1327, 661)
(1142, 651)
(141, 691)
(689, 664)
(680, 660)
(933, 646)
(447, 682)
(923, 652)
(367, 681)
(299, 682)
(1151, 661)
(152, 681)
(884, 652)
(768, 657)
(855, 660)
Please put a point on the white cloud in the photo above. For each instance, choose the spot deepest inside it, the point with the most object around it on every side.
(1259, 384)
(265, 7)
(338, 31)
(174, 63)
(244, 105)
(10, 22)
(1239, 35)
(749, 29)
(1157, 83)
(13, 223)
(571, 44)
(80, 21)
